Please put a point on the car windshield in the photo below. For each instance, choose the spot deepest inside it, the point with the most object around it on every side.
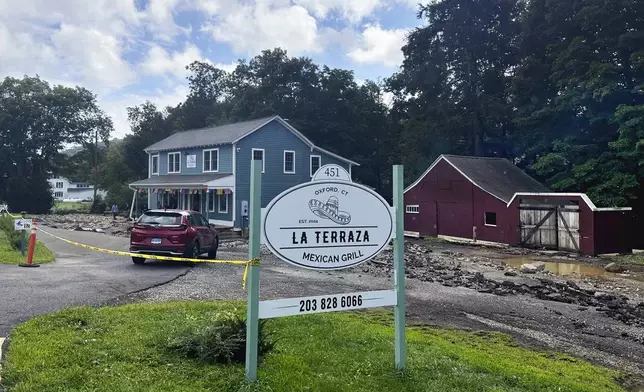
(160, 219)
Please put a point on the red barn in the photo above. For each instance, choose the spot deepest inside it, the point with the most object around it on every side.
(491, 199)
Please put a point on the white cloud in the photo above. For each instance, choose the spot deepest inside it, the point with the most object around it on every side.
(116, 107)
(354, 11)
(160, 62)
(379, 46)
(230, 67)
(110, 46)
(250, 28)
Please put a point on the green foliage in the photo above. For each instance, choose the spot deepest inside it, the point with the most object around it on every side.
(123, 348)
(71, 207)
(223, 341)
(98, 205)
(10, 246)
(11, 236)
(36, 121)
(556, 85)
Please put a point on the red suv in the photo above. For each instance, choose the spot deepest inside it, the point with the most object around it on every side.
(173, 233)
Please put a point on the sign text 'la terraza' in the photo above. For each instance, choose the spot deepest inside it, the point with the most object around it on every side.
(328, 223)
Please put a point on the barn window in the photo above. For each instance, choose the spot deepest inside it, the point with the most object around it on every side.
(490, 219)
(412, 209)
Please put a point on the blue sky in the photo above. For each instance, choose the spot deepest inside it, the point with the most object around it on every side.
(129, 51)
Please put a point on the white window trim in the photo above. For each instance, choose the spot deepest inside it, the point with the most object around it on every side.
(203, 160)
(252, 157)
(311, 172)
(219, 210)
(174, 153)
(409, 209)
(484, 220)
(211, 196)
(158, 165)
(284, 166)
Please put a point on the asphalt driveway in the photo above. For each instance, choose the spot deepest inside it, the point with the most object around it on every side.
(78, 276)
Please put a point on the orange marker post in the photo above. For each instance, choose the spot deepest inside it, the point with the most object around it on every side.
(32, 247)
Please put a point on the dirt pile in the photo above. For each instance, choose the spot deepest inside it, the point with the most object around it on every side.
(87, 222)
(478, 273)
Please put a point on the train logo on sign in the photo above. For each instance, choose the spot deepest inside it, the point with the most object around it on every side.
(328, 223)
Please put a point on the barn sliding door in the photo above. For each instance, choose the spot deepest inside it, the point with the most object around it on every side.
(550, 227)
(568, 225)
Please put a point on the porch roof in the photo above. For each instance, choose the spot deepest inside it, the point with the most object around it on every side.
(217, 180)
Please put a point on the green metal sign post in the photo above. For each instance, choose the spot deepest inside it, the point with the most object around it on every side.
(252, 317)
(399, 270)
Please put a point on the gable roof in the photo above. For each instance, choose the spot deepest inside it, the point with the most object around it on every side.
(496, 176)
(210, 136)
(229, 134)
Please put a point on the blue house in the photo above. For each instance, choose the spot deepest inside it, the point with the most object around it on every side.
(208, 169)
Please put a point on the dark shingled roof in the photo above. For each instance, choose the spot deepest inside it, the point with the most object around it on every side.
(497, 176)
(211, 136)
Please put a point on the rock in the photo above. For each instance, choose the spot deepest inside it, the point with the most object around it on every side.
(602, 295)
(554, 297)
(528, 269)
(539, 265)
(614, 267)
(510, 273)
(579, 324)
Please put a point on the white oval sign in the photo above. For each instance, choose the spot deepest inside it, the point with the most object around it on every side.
(327, 225)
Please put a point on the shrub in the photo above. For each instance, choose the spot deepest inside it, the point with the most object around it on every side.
(224, 341)
(98, 205)
(13, 236)
(71, 207)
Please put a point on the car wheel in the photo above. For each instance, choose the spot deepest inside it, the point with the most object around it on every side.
(138, 260)
(212, 255)
(194, 251)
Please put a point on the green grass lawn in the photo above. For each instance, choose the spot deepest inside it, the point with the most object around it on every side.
(124, 349)
(8, 255)
(66, 207)
(634, 259)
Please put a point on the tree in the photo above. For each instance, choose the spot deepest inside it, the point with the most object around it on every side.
(579, 80)
(36, 121)
(451, 94)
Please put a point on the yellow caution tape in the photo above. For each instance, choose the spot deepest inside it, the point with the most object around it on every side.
(247, 263)
(13, 216)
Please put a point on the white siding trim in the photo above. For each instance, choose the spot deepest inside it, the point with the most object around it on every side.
(211, 196)
(284, 163)
(158, 157)
(252, 156)
(203, 160)
(583, 196)
(455, 168)
(235, 183)
(174, 153)
(485, 220)
(219, 210)
(311, 173)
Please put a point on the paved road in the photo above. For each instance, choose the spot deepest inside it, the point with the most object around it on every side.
(77, 277)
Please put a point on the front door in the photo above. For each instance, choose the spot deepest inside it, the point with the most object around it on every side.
(195, 202)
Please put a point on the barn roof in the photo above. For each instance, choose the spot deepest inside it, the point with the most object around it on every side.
(496, 176)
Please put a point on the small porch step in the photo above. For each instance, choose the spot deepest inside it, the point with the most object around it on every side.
(228, 234)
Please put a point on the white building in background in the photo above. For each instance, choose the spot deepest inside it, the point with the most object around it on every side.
(66, 190)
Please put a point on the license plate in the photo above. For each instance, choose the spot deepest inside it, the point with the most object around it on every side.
(156, 240)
